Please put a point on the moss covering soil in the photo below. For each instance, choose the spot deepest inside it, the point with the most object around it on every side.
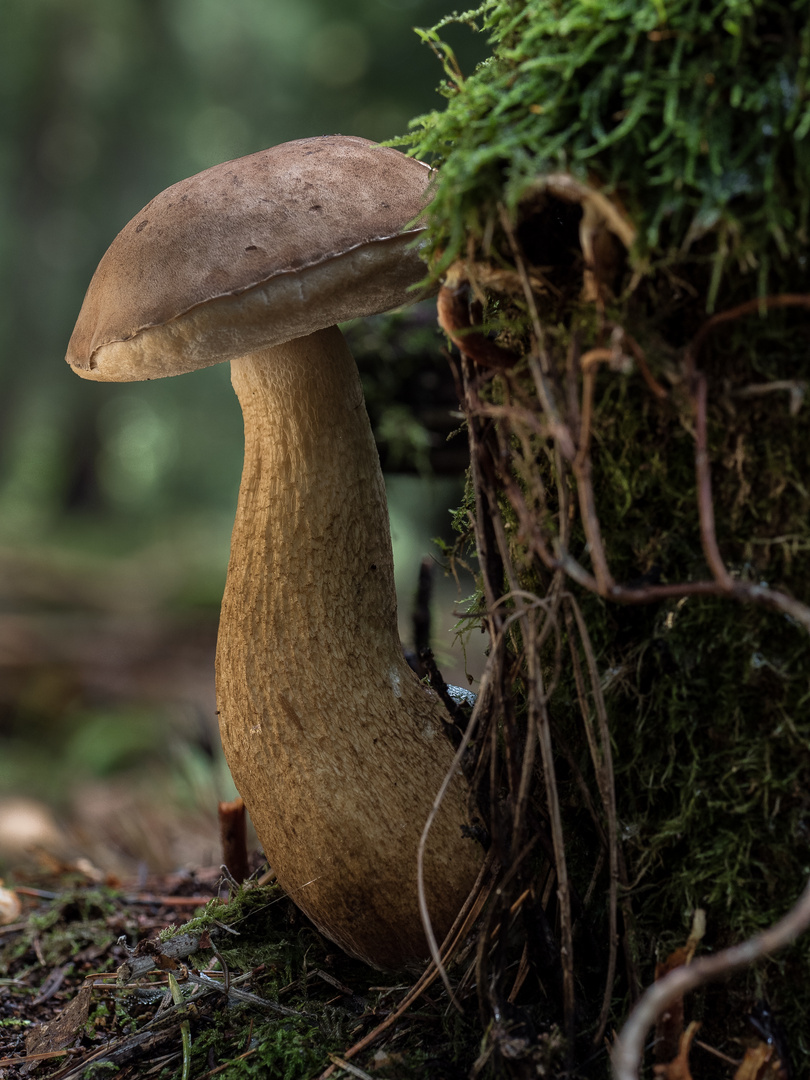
(295, 1003)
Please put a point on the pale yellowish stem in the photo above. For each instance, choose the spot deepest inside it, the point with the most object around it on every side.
(335, 746)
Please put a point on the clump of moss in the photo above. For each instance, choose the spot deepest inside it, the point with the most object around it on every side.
(693, 121)
(698, 115)
(326, 1001)
(264, 995)
(77, 919)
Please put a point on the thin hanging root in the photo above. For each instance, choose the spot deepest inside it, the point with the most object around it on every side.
(552, 550)
(538, 713)
(529, 416)
(750, 307)
(602, 758)
(455, 766)
(643, 367)
(629, 1046)
(588, 364)
(708, 535)
(479, 894)
(725, 584)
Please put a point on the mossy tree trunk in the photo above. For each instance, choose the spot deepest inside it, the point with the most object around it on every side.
(620, 226)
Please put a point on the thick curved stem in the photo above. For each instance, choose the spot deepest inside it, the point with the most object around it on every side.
(333, 743)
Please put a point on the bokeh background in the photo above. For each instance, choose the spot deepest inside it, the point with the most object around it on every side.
(116, 502)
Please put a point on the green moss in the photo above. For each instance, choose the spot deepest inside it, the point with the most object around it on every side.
(260, 931)
(694, 120)
(75, 920)
(698, 115)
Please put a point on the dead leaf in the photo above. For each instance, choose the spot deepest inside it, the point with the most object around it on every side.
(755, 1062)
(60, 1032)
(669, 1025)
(678, 1068)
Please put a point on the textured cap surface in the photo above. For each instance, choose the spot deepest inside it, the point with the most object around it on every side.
(251, 253)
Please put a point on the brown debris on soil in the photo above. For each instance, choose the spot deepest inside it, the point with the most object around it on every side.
(58, 964)
(91, 980)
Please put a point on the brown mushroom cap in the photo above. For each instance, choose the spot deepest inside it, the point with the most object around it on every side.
(252, 253)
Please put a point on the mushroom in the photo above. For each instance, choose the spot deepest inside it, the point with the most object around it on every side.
(335, 746)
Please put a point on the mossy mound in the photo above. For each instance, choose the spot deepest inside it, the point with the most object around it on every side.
(620, 220)
(696, 114)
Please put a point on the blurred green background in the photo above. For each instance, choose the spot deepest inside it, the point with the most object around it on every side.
(116, 501)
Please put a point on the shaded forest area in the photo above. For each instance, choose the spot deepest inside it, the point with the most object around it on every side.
(619, 233)
(116, 502)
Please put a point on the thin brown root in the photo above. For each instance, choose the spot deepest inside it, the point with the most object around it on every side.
(629, 1046)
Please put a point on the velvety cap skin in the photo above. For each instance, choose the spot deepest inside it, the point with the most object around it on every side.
(252, 253)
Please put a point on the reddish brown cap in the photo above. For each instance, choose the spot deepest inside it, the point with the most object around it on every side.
(252, 253)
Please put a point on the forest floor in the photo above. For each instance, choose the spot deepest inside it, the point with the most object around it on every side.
(92, 983)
